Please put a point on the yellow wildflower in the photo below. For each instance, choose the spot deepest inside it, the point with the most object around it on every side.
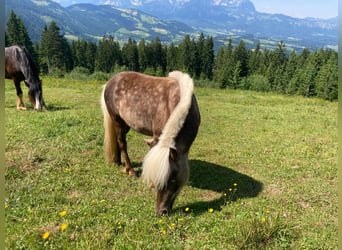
(63, 227)
(161, 221)
(235, 184)
(62, 213)
(210, 210)
(173, 225)
(187, 209)
(164, 232)
(45, 235)
(263, 219)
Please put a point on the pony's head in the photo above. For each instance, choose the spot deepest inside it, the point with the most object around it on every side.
(178, 176)
(35, 94)
(166, 170)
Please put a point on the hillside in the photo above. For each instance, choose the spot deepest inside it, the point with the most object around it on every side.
(170, 20)
(93, 22)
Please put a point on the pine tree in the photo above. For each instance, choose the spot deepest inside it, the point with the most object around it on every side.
(130, 55)
(171, 58)
(291, 65)
(254, 60)
(276, 68)
(142, 54)
(78, 50)
(327, 79)
(108, 55)
(84, 53)
(90, 55)
(224, 65)
(218, 67)
(236, 78)
(290, 70)
(303, 57)
(307, 85)
(187, 55)
(208, 58)
(240, 55)
(200, 47)
(17, 34)
(55, 53)
(158, 56)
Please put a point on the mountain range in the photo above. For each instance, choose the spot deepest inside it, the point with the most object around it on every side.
(170, 20)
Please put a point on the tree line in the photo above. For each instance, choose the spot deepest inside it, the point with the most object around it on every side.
(308, 73)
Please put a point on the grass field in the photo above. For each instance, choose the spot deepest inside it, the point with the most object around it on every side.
(263, 176)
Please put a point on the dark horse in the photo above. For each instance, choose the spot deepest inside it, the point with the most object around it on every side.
(162, 107)
(19, 66)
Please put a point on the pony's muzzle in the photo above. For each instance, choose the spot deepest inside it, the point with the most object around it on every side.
(38, 106)
(163, 211)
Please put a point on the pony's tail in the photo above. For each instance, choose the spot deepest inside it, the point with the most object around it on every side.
(110, 145)
(156, 165)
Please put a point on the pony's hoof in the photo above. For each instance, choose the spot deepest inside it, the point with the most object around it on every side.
(21, 108)
(151, 186)
(132, 173)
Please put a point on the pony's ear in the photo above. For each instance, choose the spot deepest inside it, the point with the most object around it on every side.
(173, 154)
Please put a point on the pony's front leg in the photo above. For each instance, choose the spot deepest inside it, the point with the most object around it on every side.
(128, 166)
(20, 103)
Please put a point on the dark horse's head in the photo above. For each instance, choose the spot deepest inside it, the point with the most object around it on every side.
(35, 93)
(32, 80)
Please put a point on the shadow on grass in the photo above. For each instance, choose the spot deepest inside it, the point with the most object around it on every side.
(209, 176)
(52, 107)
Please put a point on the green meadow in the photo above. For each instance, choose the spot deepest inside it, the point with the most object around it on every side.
(263, 175)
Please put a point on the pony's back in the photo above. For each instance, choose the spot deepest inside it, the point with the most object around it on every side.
(22, 61)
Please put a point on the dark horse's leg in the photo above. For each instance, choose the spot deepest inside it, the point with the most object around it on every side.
(20, 103)
(121, 130)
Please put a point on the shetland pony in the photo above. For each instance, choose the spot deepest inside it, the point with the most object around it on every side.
(19, 66)
(162, 107)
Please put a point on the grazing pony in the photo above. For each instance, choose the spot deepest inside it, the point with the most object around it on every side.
(162, 107)
(19, 66)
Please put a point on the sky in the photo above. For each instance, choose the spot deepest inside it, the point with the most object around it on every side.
(299, 8)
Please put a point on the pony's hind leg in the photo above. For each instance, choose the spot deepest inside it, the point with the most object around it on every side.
(110, 144)
(121, 131)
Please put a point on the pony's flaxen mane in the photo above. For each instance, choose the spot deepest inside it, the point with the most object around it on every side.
(156, 165)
